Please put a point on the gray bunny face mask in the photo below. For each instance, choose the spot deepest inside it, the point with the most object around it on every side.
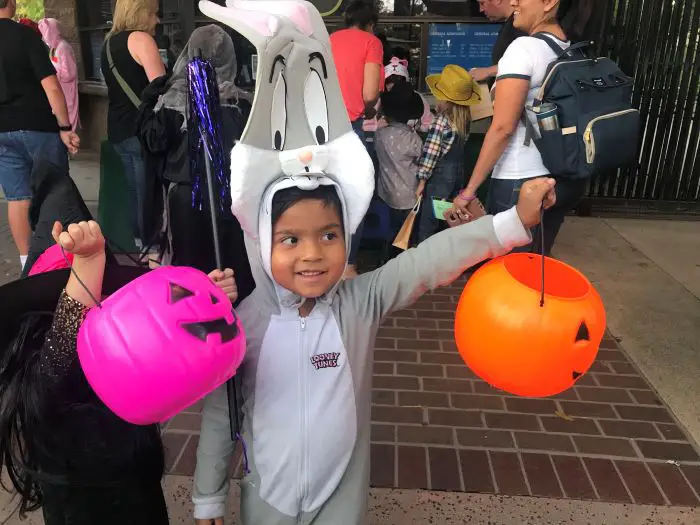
(298, 130)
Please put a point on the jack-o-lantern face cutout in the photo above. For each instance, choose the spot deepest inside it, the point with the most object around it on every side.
(516, 345)
(160, 344)
(203, 329)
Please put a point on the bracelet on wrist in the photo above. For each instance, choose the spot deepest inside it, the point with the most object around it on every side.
(466, 195)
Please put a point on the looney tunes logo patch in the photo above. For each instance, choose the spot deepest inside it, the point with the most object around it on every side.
(329, 360)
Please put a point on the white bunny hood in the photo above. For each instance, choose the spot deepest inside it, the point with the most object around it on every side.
(298, 133)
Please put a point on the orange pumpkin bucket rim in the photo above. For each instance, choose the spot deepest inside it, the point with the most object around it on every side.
(561, 281)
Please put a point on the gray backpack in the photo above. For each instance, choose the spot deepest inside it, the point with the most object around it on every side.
(596, 129)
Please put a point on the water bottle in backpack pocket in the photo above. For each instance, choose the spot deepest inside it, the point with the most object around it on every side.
(597, 129)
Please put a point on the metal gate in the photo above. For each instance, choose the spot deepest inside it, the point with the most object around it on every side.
(658, 43)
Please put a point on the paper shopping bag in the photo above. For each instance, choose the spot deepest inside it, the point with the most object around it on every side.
(403, 238)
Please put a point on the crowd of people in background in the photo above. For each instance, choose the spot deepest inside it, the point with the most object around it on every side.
(419, 152)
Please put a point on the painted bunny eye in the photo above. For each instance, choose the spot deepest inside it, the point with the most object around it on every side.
(279, 113)
(316, 107)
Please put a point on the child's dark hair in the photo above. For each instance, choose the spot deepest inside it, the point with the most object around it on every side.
(394, 79)
(285, 199)
(361, 13)
(20, 406)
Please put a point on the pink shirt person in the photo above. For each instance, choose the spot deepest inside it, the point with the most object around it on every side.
(63, 59)
(352, 49)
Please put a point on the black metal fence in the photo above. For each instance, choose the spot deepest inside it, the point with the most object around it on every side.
(657, 42)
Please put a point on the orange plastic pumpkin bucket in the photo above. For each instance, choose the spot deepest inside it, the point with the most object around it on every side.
(514, 343)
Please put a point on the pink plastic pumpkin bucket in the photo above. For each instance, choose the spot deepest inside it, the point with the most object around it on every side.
(51, 259)
(159, 344)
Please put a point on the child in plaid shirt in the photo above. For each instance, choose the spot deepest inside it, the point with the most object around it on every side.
(441, 165)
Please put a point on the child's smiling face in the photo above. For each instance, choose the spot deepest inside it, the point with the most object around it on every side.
(308, 248)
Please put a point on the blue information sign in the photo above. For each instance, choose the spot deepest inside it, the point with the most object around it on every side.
(467, 45)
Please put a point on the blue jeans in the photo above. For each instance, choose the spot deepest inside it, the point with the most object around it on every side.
(446, 181)
(504, 194)
(129, 151)
(19, 152)
(357, 128)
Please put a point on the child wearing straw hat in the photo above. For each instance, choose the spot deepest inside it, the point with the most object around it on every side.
(441, 165)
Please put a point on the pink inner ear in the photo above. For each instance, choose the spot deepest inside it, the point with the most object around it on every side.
(247, 13)
(295, 11)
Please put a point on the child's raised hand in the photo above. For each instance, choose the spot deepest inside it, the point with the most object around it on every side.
(225, 281)
(83, 239)
(535, 194)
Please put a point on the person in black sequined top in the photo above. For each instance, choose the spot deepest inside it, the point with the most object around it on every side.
(63, 448)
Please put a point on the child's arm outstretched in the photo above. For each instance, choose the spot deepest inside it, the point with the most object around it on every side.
(86, 242)
(442, 258)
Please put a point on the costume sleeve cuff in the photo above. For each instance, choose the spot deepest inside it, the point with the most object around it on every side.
(510, 230)
(209, 511)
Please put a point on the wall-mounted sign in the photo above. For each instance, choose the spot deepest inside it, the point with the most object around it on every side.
(466, 45)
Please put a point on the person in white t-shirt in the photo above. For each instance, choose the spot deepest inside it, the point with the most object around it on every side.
(521, 73)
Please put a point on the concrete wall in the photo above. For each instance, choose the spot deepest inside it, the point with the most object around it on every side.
(93, 115)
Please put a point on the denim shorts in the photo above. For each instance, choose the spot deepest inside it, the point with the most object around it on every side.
(19, 151)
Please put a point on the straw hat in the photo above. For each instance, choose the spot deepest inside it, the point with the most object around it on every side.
(455, 85)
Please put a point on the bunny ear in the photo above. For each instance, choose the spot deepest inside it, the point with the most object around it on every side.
(256, 26)
(297, 12)
(403, 62)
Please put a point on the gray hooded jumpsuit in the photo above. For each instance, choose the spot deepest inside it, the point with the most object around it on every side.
(307, 382)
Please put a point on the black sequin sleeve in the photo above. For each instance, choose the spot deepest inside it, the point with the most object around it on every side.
(59, 351)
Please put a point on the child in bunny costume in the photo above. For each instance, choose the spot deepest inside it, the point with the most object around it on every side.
(301, 183)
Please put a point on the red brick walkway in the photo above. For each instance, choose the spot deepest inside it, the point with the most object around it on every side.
(436, 426)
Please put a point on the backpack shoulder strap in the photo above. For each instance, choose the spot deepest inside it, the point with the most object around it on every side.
(558, 50)
(126, 88)
(530, 131)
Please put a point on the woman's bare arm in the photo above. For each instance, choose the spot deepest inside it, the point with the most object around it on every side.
(144, 49)
(511, 95)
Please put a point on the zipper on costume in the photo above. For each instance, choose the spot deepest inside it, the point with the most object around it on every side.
(300, 382)
(302, 408)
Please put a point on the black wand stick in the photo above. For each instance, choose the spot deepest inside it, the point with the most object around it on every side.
(231, 383)
(204, 102)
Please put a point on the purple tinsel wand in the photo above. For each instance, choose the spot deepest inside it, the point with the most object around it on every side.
(205, 141)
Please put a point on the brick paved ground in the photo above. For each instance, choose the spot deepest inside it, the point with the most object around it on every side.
(436, 426)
